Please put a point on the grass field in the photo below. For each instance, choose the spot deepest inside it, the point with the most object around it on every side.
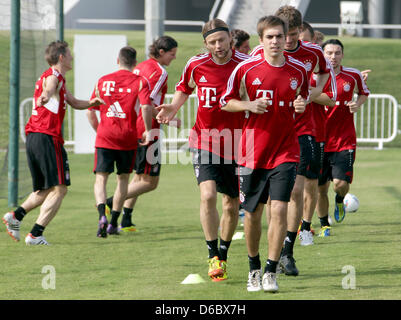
(169, 245)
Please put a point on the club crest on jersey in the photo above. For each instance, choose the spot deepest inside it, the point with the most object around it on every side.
(347, 86)
(308, 65)
(293, 83)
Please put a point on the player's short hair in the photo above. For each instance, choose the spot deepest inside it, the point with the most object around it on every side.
(270, 21)
(239, 37)
(290, 14)
(213, 26)
(165, 43)
(127, 57)
(306, 26)
(319, 36)
(335, 42)
(54, 50)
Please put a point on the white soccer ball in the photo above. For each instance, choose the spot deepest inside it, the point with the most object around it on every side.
(351, 203)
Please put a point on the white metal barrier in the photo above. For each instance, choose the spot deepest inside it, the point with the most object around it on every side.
(376, 122)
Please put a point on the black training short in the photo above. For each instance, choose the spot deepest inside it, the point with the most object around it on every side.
(148, 159)
(338, 165)
(208, 166)
(309, 158)
(105, 159)
(47, 161)
(257, 185)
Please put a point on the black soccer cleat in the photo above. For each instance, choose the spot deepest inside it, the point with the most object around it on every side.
(287, 264)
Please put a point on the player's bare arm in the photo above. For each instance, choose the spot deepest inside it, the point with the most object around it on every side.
(168, 111)
(256, 106)
(324, 100)
(49, 90)
(83, 104)
(147, 111)
(299, 104)
(354, 106)
(365, 74)
(93, 121)
(321, 80)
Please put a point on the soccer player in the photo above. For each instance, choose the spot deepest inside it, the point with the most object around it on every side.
(116, 135)
(312, 57)
(47, 158)
(268, 88)
(307, 33)
(212, 139)
(340, 145)
(148, 163)
(240, 41)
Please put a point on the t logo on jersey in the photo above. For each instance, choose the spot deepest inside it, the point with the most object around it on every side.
(265, 94)
(208, 94)
(108, 86)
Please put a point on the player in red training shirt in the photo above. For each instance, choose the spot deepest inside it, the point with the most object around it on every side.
(116, 142)
(212, 139)
(307, 172)
(339, 155)
(47, 158)
(269, 89)
(148, 158)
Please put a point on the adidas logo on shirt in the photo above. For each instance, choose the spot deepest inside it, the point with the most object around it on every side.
(256, 82)
(116, 111)
(203, 79)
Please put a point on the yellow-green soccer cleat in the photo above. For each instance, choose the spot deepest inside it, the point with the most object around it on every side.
(131, 228)
(215, 268)
(107, 212)
(339, 212)
(223, 277)
(325, 231)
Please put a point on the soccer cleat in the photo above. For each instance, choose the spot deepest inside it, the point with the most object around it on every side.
(102, 230)
(306, 238)
(254, 281)
(269, 282)
(130, 228)
(12, 225)
(215, 267)
(30, 240)
(325, 231)
(223, 277)
(339, 212)
(112, 230)
(287, 264)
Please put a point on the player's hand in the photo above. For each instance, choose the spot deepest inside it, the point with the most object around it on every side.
(42, 100)
(96, 102)
(175, 122)
(166, 113)
(365, 74)
(353, 106)
(258, 106)
(299, 104)
(145, 138)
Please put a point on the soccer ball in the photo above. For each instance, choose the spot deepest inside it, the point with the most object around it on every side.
(351, 203)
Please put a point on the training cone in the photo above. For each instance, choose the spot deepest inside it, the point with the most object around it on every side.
(239, 235)
(193, 278)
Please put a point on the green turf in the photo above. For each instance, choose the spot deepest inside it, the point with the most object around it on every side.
(169, 245)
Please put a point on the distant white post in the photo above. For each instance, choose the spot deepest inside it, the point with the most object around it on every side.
(154, 21)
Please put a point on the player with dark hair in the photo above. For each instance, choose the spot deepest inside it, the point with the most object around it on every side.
(212, 139)
(339, 155)
(116, 135)
(148, 158)
(307, 32)
(47, 158)
(240, 40)
(269, 88)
